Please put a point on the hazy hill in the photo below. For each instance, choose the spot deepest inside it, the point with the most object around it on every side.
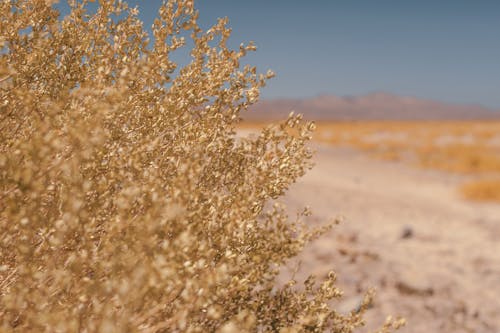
(375, 106)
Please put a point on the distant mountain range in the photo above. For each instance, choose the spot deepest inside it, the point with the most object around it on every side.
(375, 106)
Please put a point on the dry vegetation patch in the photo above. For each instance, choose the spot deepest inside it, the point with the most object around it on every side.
(469, 147)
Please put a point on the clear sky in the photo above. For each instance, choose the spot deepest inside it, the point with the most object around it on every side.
(448, 50)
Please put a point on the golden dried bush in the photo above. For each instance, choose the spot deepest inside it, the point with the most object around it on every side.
(127, 202)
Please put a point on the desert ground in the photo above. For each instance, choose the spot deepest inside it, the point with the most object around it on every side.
(433, 257)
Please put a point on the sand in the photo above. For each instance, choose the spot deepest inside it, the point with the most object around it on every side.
(432, 257)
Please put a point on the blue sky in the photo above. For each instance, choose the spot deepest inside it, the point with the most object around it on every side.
(448, 50)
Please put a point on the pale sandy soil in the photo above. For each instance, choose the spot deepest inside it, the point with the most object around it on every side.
(444, 276)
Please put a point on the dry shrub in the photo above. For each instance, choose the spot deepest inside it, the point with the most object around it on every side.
(126, 201)
(482, 190)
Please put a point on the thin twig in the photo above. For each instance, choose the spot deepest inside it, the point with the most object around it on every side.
(5, 78)
(4, 281)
